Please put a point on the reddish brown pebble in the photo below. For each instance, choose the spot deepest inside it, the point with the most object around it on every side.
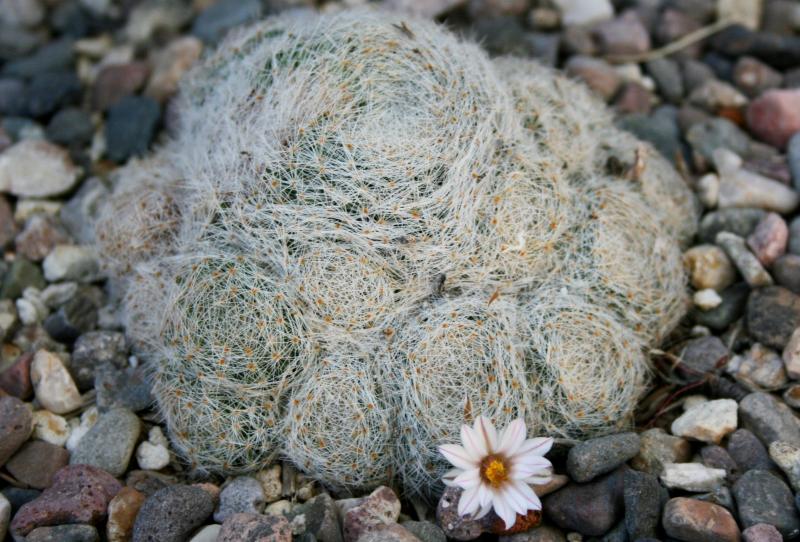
(523, 523)
(122, 511)
(255, 528)
(768, 241)
(79, 494)
(16, 424)
(699, 521)
(16, 380)
(775, 116)
(37, 462)
(116, 81)
(762, 532)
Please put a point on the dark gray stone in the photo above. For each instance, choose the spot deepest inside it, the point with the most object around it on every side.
(703, 355)
(18, 496)
(597, 456)
(64, 533)
(52, 90)
(129, 388)
(793, 157)
(667, 75)
(707, 136)
(56, 56)
(773, 313)
(215, 21)
(131, 126)
(718, 457)
(425, 530)
(110, 443)
(70, 126)
(734, 301)
(321, 518)
(776, 50)
(748, 452)
(659, 129)
(741, 221)
(76, 317)
(16, 424)
(171, 514)
(762, 497)
(769, 419)
(643, 498)
(93, 349)
(20, 275)
(591, 509)
(794, 236)
(13, 97)
(786, 272)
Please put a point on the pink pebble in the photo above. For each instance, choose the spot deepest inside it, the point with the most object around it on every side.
(768, 240)
(775, 116)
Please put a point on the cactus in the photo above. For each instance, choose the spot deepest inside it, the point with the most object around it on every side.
(363, 232)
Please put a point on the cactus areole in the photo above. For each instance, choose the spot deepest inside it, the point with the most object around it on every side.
(364, 232)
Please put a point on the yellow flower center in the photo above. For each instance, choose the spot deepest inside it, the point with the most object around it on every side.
(494, 470)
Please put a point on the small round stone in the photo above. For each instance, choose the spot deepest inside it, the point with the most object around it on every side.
(597, 456)
(110, 443)
(171, 514)
(243, 494)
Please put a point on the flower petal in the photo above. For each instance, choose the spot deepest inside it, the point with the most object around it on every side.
(468, 503)
(523, 470)
(485, 494)
(512, 438)
(485, 429)
(535, 446)
(473, 443)
(532, 501)
(514, 499)
(537, 479)
(468, 478)
(458, 456)
(485, 509)
(504, 510)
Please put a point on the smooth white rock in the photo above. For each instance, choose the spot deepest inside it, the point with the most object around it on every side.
(71, 262)
(708, 190)
(739, 187)
(576, 12)
(692, 477)
(53, 385)
(706, 299)
(33, 168)
(708, 422)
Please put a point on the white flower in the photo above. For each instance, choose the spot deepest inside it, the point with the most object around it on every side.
(495, 470)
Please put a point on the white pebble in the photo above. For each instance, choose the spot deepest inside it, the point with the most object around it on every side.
(708, 421)
(50, 427)
(692, 477)
(80, 428)
(707, 299)
(53, 385)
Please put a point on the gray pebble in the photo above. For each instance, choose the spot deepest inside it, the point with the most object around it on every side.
(667, 74)
(171, 514)
(734, 300)
(64, 533)
(762, 497)
(93, 349)
(321, 518)
(16, 424)
(769, 419)
(786, 271)
(242, 495)
(643, 498)
(741, 221)
(745, 261)
(597, 456)
(794, 236)
(591, 509)
(110, 443)
(214, 21)
(773, 313)
(131, 126)
(425, 530)
(793, 157)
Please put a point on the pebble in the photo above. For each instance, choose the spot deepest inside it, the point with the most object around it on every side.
(787, 457)
(214, 21)
(278, 508)
(775, 116)
(793, 158)
(33, 168)
(745, 261)
(131, 126)
(71, 263)
(381, 507)
(49, 92)
(707, 136)
(768, 241)
(12, 97)
(591, 509)
(734, 300)
(70, 126)
(624, 35)
(643, 496)
(758, 368)
(22, 12)
(786, 272)
(739, 187)
(122, 511)
(718, 457)
(425, 531)
(209, 533)
(36, 463)
(703, 355)
(129, 388)
(708, 190)
(709, 267)
(97, 348)
(5, 516)
(706, 299)
(668, 78)
(773, 313)
(792, 396)
(116, 81)
(598, 75)
(16, 424)
(320, 517)
(270, 479)
(64, 533)
(16, 380)
(694, 520)
(153, 454)
(754, 77)
(169, 66)
(151, 19)
(597, 456)
(708, 422)
(455, 526)
(762, 532)
(171, 514)
(715, 95)
(791, 355)
(741, 221)
(389, 533)
(581, 12)
(39, 236)
(241, 495)
(657, 448)
(52, 57)
(75, 317)
(79, 494)
(110, 443)
(692, 477)
(762, 497)
(769, 419)
(245, 527)
(53, 385)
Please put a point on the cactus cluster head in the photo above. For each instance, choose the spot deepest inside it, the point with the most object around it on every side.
(363, 232)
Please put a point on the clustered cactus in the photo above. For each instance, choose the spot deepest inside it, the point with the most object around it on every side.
(363, 232)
